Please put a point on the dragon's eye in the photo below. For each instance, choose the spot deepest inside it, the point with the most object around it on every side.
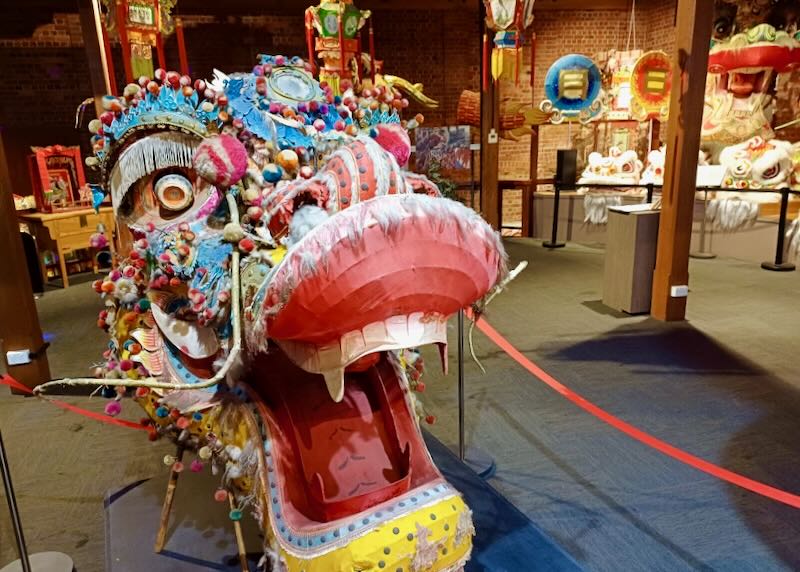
(174, 192)
(627, 168)
(771, 172)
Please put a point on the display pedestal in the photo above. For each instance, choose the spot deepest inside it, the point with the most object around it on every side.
(630, 260)
(702, 255)
(43, 562)
(201, 535)
(782, 267)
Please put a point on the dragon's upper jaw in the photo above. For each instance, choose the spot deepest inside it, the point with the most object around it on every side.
(383, 274)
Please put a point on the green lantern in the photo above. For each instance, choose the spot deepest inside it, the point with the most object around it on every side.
(328, 19)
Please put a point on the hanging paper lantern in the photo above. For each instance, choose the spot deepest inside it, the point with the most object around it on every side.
(651, 81)
(572, 89)
(508, 19)
(337, 24)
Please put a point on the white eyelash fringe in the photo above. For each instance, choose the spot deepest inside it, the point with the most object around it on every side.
(147, 155)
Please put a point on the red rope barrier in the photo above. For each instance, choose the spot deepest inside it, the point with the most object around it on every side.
(13, 383)
(757, 487)
(697, 463)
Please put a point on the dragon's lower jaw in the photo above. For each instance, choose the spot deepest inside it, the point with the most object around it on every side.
(351, 482)
(744, 83)
(337, 459)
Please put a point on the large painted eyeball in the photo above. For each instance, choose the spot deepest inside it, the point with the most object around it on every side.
(771, 172)
(174, 192)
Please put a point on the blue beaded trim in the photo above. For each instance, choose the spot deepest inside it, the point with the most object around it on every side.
(405, 504)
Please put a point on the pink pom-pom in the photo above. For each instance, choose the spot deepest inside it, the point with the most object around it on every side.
(395, 140)
(113, 408)
(98, 240)
(196, 466)
(221, 160)
(220, 495)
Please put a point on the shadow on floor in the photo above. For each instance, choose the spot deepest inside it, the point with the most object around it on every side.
(572, 544)
(718, 397)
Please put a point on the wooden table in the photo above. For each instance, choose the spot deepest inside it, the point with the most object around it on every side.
(66, 231)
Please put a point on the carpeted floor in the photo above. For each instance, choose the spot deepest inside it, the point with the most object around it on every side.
(722, 385)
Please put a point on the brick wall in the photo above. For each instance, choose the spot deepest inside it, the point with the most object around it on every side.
(45, 76)
(584, 32)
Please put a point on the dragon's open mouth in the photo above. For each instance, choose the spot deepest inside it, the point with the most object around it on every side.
(337, 459)
(384, 275)
(742, 83)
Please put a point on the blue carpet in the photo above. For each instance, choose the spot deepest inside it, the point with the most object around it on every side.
(201, 538)
(505, 539)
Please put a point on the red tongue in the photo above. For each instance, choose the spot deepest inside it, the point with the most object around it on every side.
(742, 84)
(351, 455)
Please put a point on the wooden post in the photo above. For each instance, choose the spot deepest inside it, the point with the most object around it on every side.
(166, 508)
(693, 33)
(529, 192)
(490, 152)
(97, 62)
(162, 56)
(237, 530)
(122, 30)
(19, 327)
(181, 46)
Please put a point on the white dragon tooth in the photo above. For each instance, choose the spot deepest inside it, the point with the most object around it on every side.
(443, 357)
(334, 379)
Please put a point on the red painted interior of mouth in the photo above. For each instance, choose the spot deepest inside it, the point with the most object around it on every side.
(744, 84)
(335, 460)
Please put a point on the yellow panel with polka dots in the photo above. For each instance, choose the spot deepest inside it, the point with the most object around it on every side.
(435, 538)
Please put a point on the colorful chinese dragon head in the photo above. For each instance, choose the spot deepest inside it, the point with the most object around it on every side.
(758, 164)
(617, 168)
(283, 268)
(740, 90)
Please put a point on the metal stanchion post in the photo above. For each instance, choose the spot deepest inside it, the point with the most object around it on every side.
(702, 252)
(474, 458)
(779, 265)
(461, 440)
(554, 236)
(39, 562)
(22, 550)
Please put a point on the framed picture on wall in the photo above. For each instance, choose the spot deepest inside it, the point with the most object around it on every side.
(445, 149)
(57, 177)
